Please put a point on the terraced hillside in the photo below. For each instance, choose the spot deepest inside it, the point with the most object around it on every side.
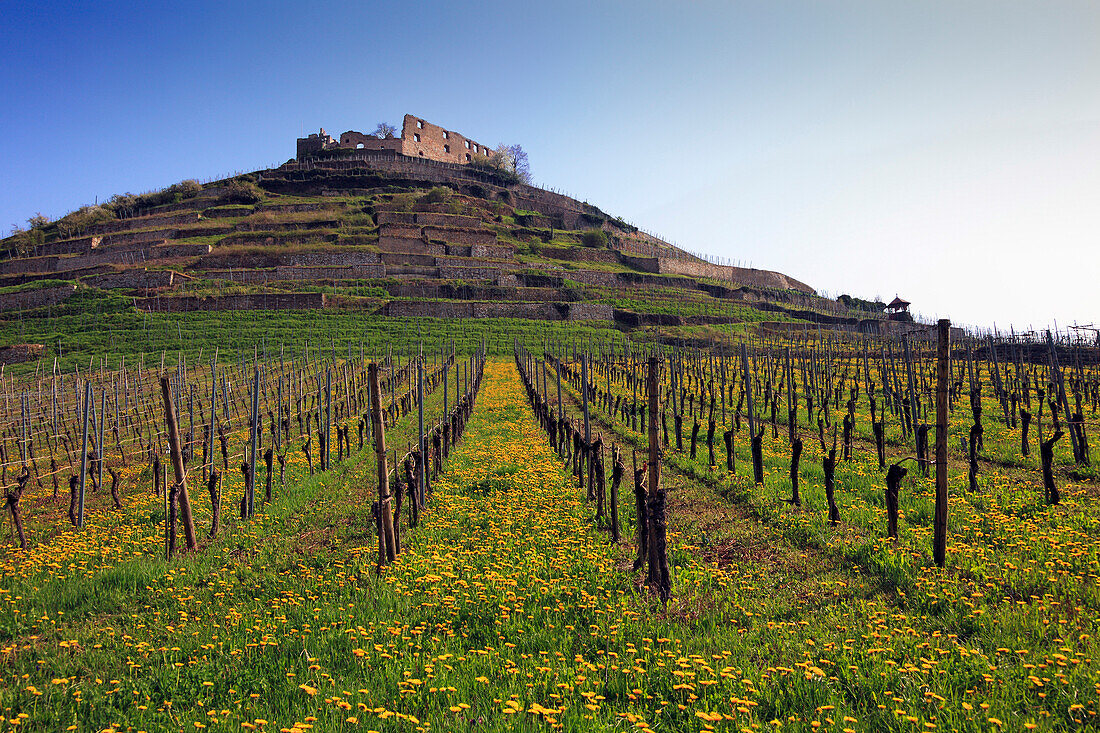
(396, 238)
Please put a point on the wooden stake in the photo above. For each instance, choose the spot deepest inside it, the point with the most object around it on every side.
(943, 378)
(177, 464)
(387, 545)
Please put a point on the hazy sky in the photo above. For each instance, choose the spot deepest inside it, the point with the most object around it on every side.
(948, 152)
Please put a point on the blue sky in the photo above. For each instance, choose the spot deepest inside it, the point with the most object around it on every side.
(945, 151)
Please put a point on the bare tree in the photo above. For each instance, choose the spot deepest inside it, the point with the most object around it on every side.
(513, 159)
(385, 130)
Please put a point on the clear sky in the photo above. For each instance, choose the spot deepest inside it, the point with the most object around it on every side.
(948, 152)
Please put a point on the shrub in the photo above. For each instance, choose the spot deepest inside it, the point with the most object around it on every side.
(77, 222)
(595, 238)
(242, 192)
(437, 195)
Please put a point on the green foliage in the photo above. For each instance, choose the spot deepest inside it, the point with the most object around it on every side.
(126, 205)
(595, 238)
(77, 223)
(240, 191)
(870, 306)
(437, 195)
(38, 221)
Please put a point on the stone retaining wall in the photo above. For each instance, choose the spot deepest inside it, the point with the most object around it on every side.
(274, 240)
(577, 254)
(175, 251)
(434, 219)
(147, 222)
(299, 274)
(228, 212)
(299, 208)
(68, 246)
(400, 258)
(131, 238)
(19, 353)
(546, 311)
(492, 251)
(411, 246)
(270, 301)
(741, 275)
(454, 235)
(132, 280)
(38, 298)
(645, 264)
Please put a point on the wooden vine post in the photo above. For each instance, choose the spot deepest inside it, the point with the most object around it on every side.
(177, 464)
(84, 454)
(422, 475)
(387, 540)
(943, 379)
(658, 560)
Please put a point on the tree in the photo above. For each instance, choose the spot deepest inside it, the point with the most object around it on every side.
(38, 221)
(385, 131)
(513, 159)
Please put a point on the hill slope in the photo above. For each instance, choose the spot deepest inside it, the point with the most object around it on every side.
(396, 237)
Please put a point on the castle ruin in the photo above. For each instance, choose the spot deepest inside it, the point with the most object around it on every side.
(419, 139)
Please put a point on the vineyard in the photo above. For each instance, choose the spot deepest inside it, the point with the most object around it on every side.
(499, 526)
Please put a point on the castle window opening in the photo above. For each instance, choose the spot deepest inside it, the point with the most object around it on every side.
(359, 146)
(420, 124)
(467, 144)
(416, 136)
(446, 148)
(467, 157)
(445, 136)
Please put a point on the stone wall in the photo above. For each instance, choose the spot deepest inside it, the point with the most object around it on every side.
(406, 218)
(590, 312)
(741, 275)
(257, 239)
(37, 298)
(454, 235)
(270, 301)
(400, 231)
(596, 278)
(103, 256)
(492, 251)
(147, 222)
(401, 258)
(645, 264)
(228, 212)
(131, 238)
(577, 254)
(299, 208)
(422, 139)
(19, 353)
(546, 311)
(427, 309)
(299, 274)
(360, 141)
(68, 246)
(436, 219)
(176, 251)
(474, 272)
(407, 245)
(132, 280)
